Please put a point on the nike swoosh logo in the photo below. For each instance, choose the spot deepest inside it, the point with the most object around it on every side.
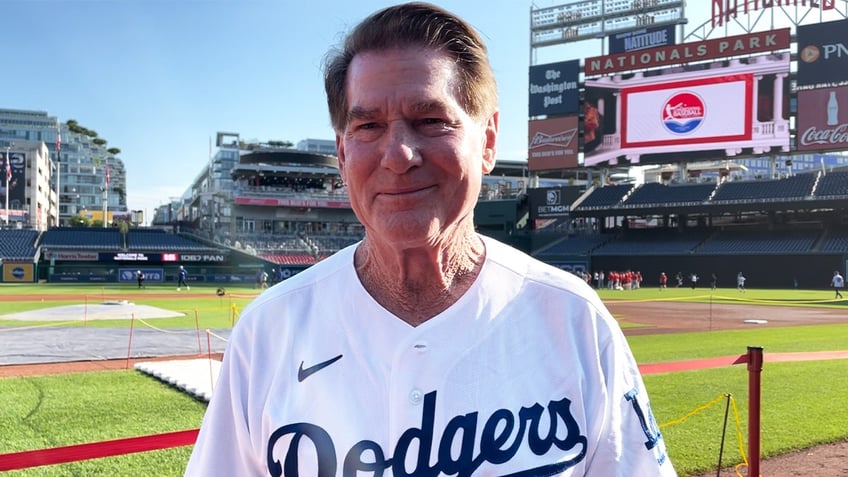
(303, 373)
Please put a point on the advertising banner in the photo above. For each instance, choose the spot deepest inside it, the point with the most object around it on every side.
(552, 143)
(130, 257)
(750, 43)
(73, 256)
(293, 202)
(156, 275)
(553, 88)
(721, 109)
(15, 171)
(822, 119)
(822, 54)
(548, 202)
(18, 272)
(689, 112)
(641, 39)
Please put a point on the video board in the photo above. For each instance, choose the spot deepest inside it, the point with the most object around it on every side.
(724, 108)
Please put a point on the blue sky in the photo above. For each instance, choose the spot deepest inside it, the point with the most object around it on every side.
(159, 78)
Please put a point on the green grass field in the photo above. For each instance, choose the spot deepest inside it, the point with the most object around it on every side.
(802, 402)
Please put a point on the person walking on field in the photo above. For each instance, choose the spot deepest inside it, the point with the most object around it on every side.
(140, 277)
(740, 282)
(837, 282)
(182, 278)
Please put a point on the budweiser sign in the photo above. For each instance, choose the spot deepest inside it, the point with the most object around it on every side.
(552, 143)
(562, 139)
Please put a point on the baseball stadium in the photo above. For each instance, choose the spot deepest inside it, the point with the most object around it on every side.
(712, 232)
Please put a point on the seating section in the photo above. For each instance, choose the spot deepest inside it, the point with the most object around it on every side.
(792, 188)
(835, 241)
(18, 244)
(297, 243)
(608, 196)
(162, 241)
(573, 245)
(653, 242)
(833, 184)
(289, 259)
(754, 242)
(82, 238)
(656, 194)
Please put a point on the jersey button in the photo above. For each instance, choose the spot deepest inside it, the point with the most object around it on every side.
(415, 396)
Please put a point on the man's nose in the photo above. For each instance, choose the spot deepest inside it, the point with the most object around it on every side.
(402, 149)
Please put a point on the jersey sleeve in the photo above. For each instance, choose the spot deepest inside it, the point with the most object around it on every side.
(631, 442)
(224, 446)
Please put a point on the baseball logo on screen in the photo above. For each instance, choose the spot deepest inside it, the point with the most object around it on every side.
(683, 113)
(553, 197)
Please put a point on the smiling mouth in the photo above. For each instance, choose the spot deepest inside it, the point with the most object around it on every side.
(407, 192)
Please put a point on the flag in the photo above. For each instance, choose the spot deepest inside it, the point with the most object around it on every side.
(107, 174)
(8, 169)
(58, 142)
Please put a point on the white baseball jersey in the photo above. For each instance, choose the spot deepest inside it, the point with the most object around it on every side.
(527, 374)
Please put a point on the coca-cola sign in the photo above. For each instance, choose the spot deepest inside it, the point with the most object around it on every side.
(829, 138)
(823, 119)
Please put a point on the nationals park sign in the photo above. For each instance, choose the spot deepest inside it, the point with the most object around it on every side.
(751, 43)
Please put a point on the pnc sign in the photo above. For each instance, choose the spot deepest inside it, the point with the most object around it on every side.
(822, 54)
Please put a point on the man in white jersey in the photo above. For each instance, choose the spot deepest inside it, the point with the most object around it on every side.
(837, 282)
(425, 349)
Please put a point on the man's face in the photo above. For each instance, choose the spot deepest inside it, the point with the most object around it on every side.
(591, 118)
(411, 157)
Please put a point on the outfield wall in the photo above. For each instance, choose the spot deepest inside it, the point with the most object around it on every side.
(158, 268)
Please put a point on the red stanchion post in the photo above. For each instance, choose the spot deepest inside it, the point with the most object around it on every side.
(129, 343)
(755, 368)
(197, 328)
(209, 358)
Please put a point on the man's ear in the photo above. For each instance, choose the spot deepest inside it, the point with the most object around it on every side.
(341, 155)
(489, 147)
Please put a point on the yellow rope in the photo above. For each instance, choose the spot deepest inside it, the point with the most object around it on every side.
(739, 438)
(160, 329)
(695, 411)
(216, 336)
(46, 325)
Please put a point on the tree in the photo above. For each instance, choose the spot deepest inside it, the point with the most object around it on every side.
(79, 221)
(113, 151)
(99, 141)
(121, 193)
(281, 143)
